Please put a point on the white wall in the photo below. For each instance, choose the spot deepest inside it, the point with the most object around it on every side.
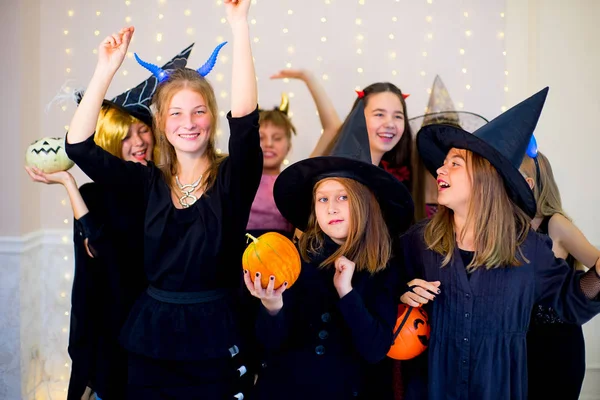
(553, 43)
(546, 43)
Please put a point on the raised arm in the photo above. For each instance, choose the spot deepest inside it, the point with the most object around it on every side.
(566, 235)
(111, 54)
(330, 121)
(243, 86)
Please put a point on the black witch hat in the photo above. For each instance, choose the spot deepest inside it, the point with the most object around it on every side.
(503, 142)
(350, 158)
(136, 101)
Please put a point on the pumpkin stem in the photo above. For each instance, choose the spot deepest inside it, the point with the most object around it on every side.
(250, 237)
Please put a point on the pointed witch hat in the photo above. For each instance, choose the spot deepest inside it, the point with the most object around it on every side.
(136, 101)
(350, 158)
(503, 142)
(441, 110)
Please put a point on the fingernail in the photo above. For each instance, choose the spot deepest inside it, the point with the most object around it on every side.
(272, 278)
(257, 274)
(439, 291)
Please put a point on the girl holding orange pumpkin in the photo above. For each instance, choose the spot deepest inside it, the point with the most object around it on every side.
(322, 332)
(479, 267)
(183, 335)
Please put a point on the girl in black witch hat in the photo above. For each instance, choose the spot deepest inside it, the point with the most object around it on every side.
(108, 233)
(555, 349)
(183, 333)
(322, 333)
(478, 266)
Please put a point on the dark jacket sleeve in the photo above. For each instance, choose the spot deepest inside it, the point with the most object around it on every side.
(558, 285)
(82, 334)
(371, 319)
(106, 169)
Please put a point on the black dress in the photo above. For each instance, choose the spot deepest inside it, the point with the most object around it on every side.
(183, 333)
(477, 348)
(322, 347)
(555, 350)
(104, 289)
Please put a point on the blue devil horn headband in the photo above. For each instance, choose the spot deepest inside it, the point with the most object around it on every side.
(162, 75)
(532, 148)
(208, 65)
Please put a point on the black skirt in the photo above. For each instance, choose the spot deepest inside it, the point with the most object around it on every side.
(555, 361)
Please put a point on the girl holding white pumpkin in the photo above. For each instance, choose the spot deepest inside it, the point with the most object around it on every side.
(107, 238)
(322, 334)
(183, 334)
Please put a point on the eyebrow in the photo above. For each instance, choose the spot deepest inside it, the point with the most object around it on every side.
(455, 156)
(180, 108)
(395, 112)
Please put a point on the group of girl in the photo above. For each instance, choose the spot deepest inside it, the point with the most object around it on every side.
(162, 308)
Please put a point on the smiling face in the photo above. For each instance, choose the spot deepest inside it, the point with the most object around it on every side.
(332, 210)
(275, 146)
(188, 122)
(385, 121)
(138, 144)
(455, 181)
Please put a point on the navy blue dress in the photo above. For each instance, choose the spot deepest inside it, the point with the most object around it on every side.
(183, 330)
(322, 347)
(477, 348)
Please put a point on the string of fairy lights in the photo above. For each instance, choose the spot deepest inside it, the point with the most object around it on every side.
(284, 26)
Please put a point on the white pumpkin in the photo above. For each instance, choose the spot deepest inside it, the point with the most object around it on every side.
(48, 154)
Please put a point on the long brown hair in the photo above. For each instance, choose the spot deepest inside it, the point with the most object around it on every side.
(401, 154)
(368, 244)
(545, 189)
(548, 199)
(500, 226)
(167, 162)
(420, 174)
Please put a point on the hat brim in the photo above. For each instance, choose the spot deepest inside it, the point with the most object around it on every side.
(293, 190)
(141, 114)
(467, 120)
(435, 141)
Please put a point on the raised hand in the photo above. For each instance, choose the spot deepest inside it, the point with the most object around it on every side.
(342, 279)
(113, 49)
(420, 292)
(61, 177)
(290, 74)
(271, 298)
(237, 10)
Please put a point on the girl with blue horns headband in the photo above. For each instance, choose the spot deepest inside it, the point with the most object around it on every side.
(184, 335)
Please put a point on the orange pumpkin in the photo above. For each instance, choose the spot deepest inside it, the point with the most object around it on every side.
(411, 333)
(272, 254)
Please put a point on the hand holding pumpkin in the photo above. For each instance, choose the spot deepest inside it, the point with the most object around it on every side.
(420, 292)
(271, 298)
(342, 279)
(62, 177)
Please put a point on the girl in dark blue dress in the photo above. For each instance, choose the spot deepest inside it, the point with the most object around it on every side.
(479, 267)
(323, 335)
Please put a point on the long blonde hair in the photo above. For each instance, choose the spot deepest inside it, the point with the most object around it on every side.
(499, 225)
(548, 200)
(167, 162)
(112, 128)
(545, 190)
(368, 244)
